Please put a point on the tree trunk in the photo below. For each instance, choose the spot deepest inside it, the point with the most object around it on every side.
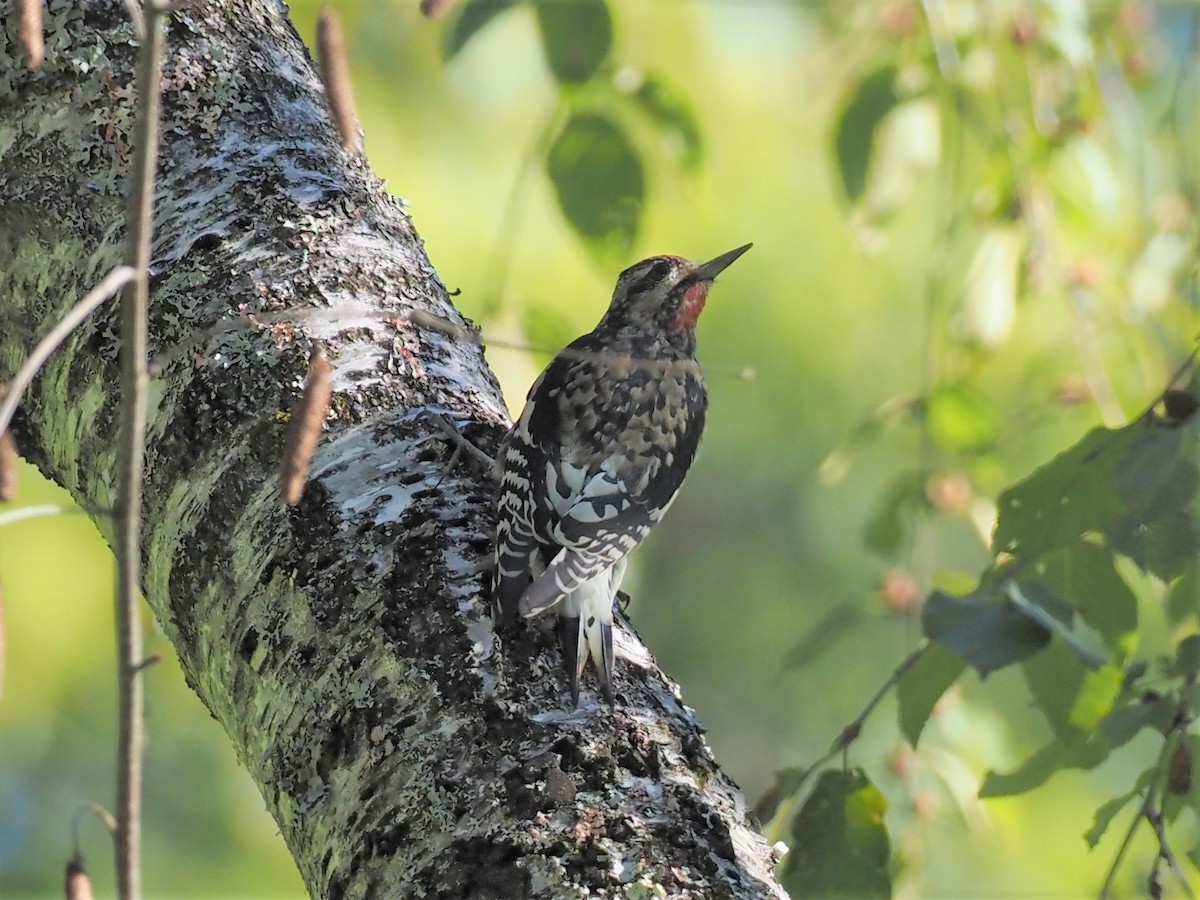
(346, 645)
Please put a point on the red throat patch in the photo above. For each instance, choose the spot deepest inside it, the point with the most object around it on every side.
(691, 306)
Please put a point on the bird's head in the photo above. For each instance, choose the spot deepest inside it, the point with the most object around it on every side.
(666, 293)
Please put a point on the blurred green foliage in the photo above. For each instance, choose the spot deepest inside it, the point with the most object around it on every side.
(975, 232)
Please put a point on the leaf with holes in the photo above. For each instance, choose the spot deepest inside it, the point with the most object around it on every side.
(1158, 480)
(1070, 496)
(1165, 547)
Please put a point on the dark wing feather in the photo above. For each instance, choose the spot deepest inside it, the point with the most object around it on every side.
(615, 431)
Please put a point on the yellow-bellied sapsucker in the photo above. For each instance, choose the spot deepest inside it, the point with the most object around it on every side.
(607, 435)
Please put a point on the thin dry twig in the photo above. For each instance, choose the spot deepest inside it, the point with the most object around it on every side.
(152, 660)
(131, 460)
(20, 514)
(1165, 854)
(421, 319)
(424, 319)
(1150, 811)
(1143, 809)
(76, 884)
(33, 41)
(8, 468)
(105, 817)
(335, 73)
(848, 735)
(112, 282)
(308, 420)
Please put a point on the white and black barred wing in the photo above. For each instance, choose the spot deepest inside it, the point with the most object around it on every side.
(590, 467)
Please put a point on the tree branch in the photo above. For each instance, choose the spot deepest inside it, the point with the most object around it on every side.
(131, 460)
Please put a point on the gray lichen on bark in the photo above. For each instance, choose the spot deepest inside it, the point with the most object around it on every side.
(346, 645)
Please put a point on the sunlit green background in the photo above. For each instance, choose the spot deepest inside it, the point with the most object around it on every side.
(764, 541)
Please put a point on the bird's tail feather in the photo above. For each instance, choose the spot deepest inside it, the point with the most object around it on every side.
(587, 637)
(586, 630)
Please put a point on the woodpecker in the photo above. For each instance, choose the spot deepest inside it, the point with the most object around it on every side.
(608, 433)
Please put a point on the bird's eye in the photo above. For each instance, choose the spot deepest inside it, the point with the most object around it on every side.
(655, 274)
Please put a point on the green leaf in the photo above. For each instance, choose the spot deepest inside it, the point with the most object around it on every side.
(1184, 598)
(1073, 696)
(1075, 749)
(1054, 678)
(1158, 481)
(1135, 485)
(1046, 608)
(1085, 575)
(841, 845)
(889, 527)
(1164, 547)
(576, 37)
(469, 20)
(1034, 772)
(823, 635)
(1124, 723)
(597, 178)
(1187, 657)
(1156, 477)
(1108, 811)
(859, 121)
(988, 634)
(1070, 496)
(1104, 816)
(672, 114)
(1096, 696)
(961, 418)
(920, 688)
(1037, 769)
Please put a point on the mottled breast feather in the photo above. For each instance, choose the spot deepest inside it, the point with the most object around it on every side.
(623, 420)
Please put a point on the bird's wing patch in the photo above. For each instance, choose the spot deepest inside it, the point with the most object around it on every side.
(597, 505)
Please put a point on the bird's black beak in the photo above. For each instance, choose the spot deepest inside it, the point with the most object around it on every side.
(714, 267)
(709, 270)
